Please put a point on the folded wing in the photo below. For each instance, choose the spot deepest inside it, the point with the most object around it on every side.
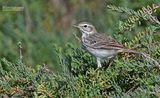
(98, 41)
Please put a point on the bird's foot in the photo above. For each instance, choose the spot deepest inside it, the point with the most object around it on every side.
(98, 68)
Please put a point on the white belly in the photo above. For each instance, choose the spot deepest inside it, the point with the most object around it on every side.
(102, 53)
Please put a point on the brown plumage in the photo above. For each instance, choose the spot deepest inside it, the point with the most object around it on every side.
(101, 46)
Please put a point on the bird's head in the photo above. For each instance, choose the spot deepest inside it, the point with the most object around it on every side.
(86, 28)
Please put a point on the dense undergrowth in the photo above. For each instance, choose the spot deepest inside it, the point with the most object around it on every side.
(128, 76)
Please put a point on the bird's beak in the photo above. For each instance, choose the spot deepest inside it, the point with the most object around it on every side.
(76, 26)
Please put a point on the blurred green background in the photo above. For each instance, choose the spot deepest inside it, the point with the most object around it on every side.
(44, 24)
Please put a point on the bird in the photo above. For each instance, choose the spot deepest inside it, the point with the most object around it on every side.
(99, 45)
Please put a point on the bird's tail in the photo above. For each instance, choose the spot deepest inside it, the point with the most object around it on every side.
(146, 56)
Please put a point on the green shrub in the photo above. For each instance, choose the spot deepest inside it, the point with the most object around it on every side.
(77, 76)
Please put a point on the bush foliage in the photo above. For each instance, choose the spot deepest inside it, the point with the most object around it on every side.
(68, 70)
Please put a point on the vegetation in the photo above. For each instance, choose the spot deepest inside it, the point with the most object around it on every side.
(42, 58)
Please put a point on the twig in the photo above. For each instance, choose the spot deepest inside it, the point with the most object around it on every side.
(131, 89)
(77, 37)
(20, 51)
(144, 55)
(148, 57)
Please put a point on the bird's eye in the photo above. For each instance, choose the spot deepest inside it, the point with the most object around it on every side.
(85, 26)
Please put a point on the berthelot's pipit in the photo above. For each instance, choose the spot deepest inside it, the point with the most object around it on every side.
(100, 46)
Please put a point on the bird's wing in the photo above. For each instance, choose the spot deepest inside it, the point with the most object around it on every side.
(99, 41)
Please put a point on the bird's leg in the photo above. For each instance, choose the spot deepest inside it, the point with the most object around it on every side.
(110, 61)
(98, 62)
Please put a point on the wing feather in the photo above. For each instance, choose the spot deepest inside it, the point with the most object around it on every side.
(98, 41)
